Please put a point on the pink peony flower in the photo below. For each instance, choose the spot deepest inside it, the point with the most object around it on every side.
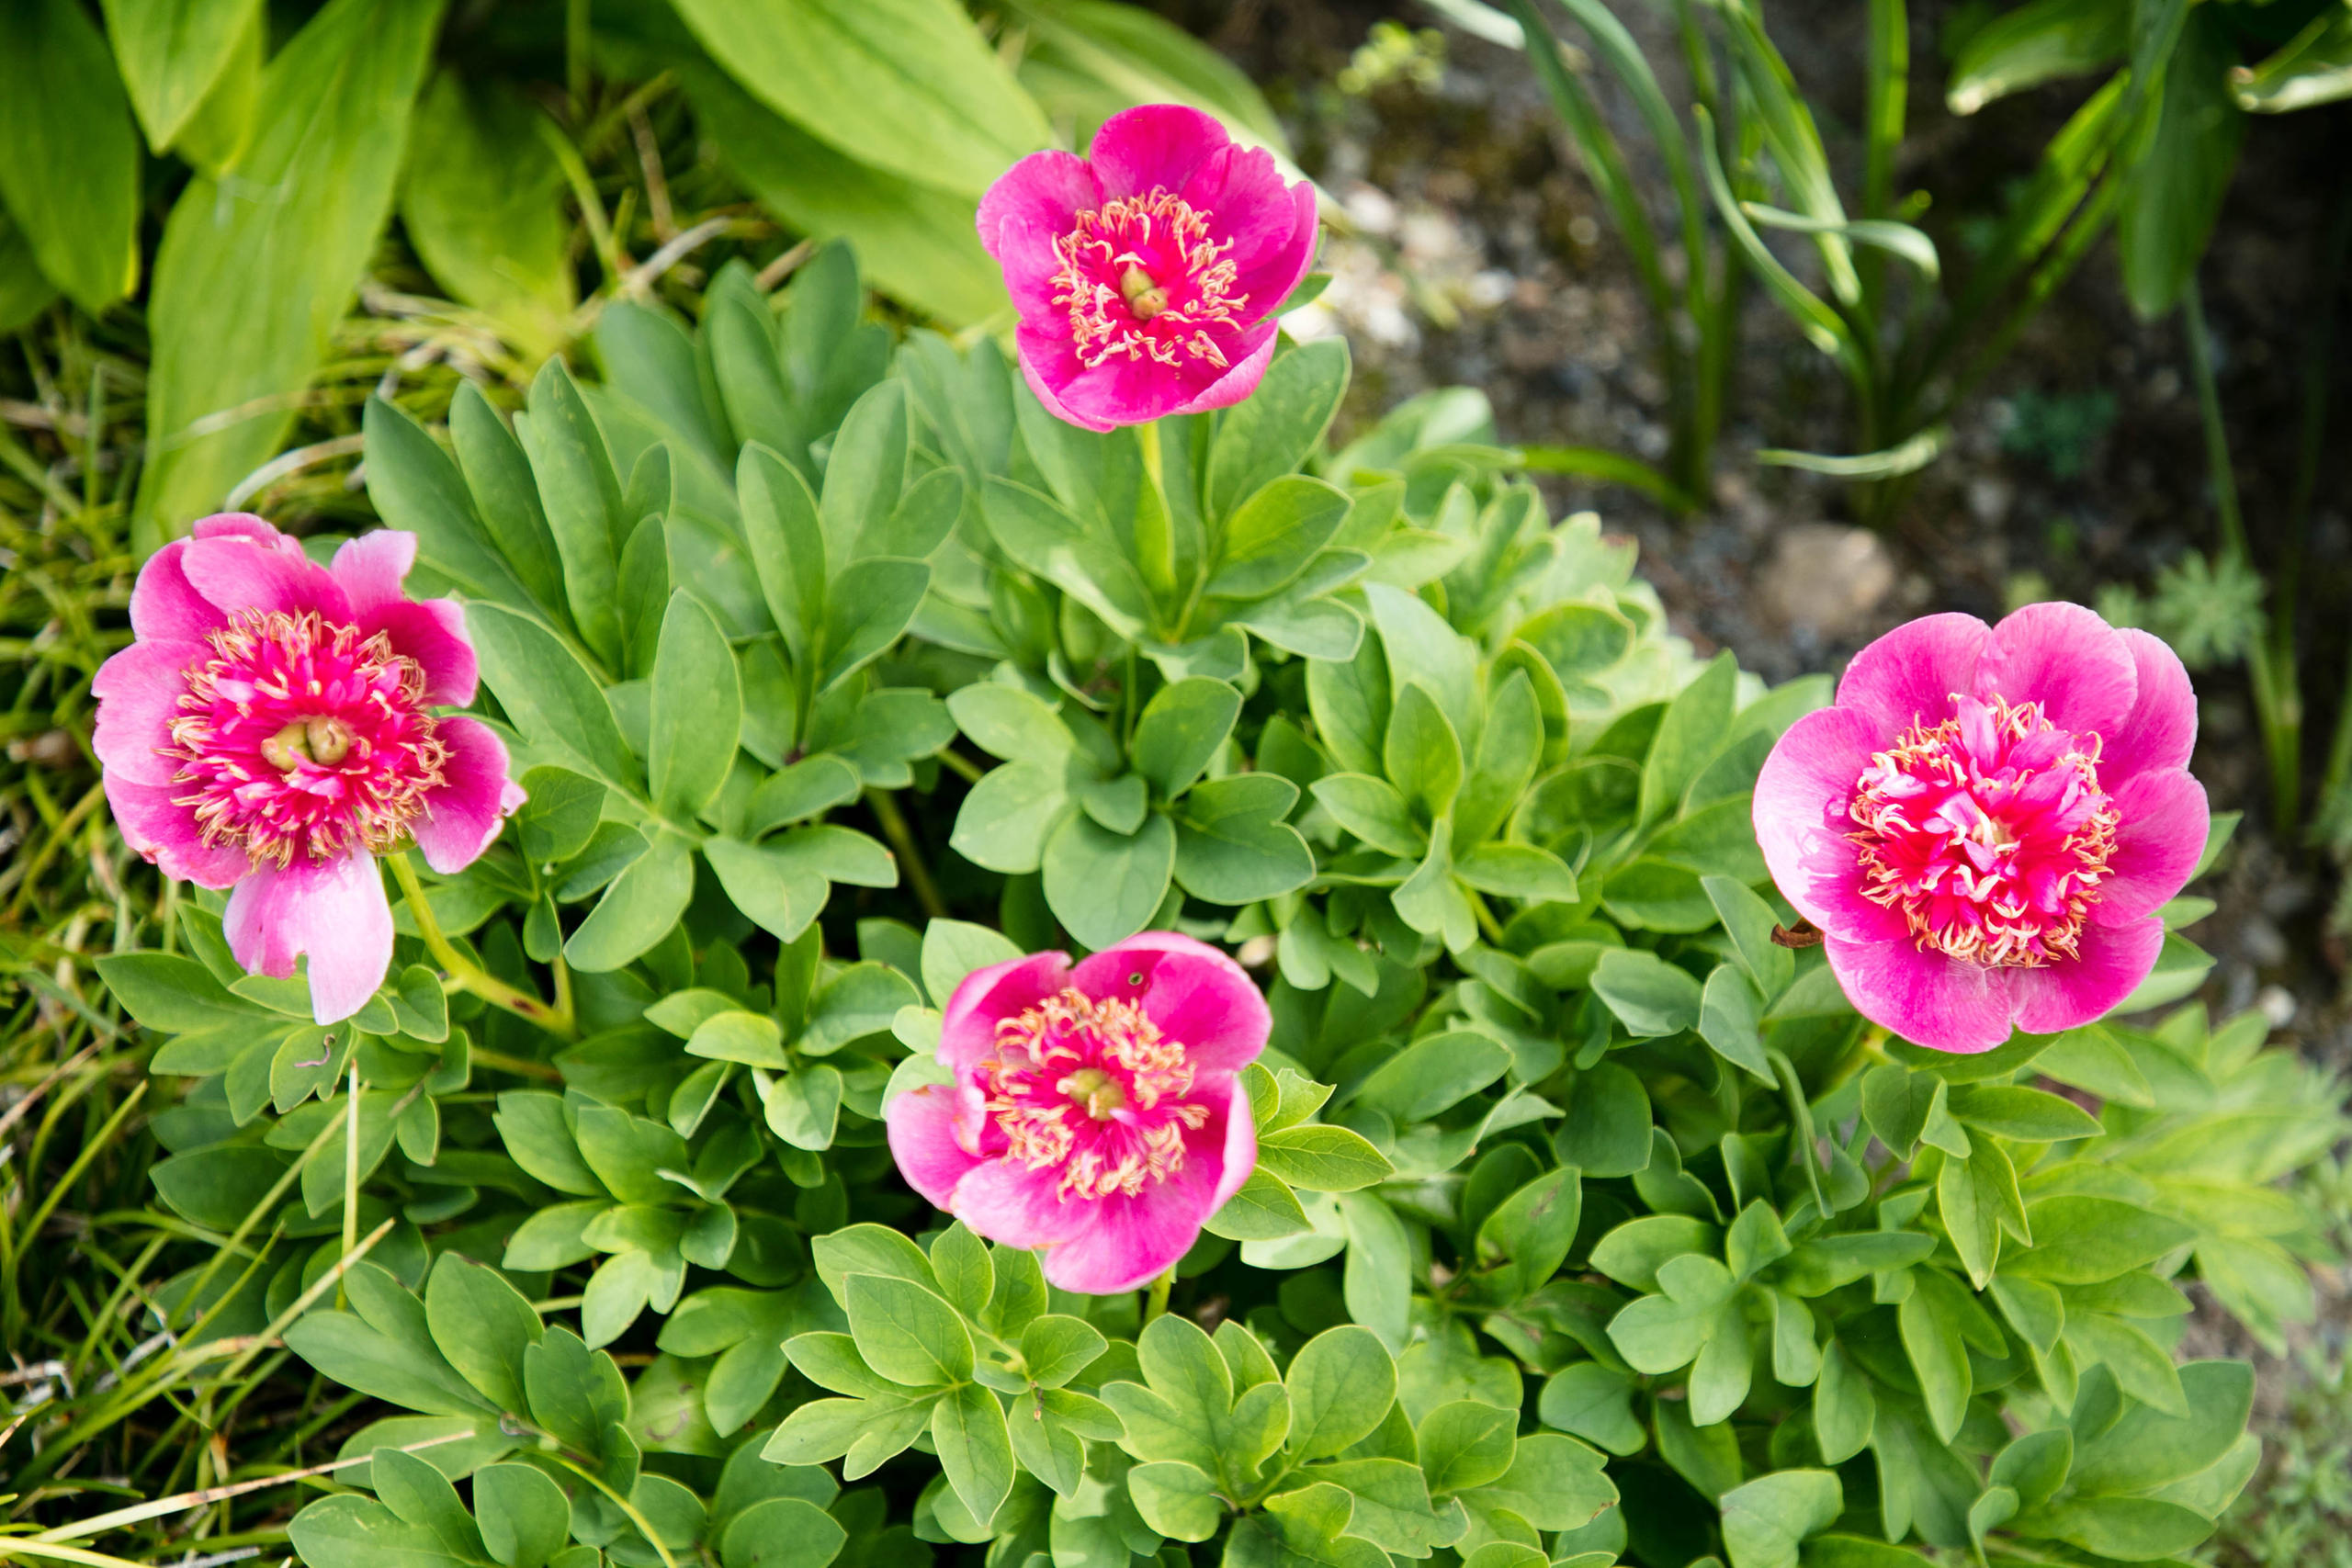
(1096, 1111)
(1147, 274)
(1985, 824)
(270, 731)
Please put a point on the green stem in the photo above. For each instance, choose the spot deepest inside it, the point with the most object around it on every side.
(2277, 704)
(903, 841)
(469, 975)
(1156, 1303)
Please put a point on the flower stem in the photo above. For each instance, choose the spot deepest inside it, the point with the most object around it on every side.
(902, 841)
(469, 975)
(1156, 1303)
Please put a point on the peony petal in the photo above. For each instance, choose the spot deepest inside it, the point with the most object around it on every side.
(926, 1139)
(165, 834)
(1909, 675)
(463, 814)
(1041, 195)
(2065, 658)
(2161, 729)
(1929, 999)
(371, 568)
(2114, 960)
(244, 525)
(432, 632)
(1247, 371)
(163, 604)
(333, 911)
(1190, 992)
(1267, 282)
(1008, 1202)
(238, 573)
(1249, 210)
(2158, 842)
(139, 692)
(1239, 1156)
(1801, 822)
(1128, 1242)
(1154, 147)
(1049, 364)
(967, 1024)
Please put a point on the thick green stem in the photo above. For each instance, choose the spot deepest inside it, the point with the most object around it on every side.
(1156, 1302)
(902, 843)
(469, 975)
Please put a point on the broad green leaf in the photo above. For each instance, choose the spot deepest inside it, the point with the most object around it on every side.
(697, 710)
(637, 910)
(1594, 1402)
(1421, 753)
(1181, 730)
(1648, 995)
(906, 1332)
(71, 177)
(255, 270)
(1765, 1520)
(1273, 535)
(1104, 888)
(1377, 1282)
(1342, 1386)
(171, 53)
(1322, 1159)
(1690, 733)
(549, 695)
(974, 1451)
(1176, 1499)
(1270, 432)
(483, 200)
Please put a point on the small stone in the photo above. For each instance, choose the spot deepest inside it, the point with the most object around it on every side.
(1825, 579)
(2278, 1004)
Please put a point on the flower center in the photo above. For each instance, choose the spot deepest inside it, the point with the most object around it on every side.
(299, 738)
(1141, 277)
(1090, 1088)
(1988, 832)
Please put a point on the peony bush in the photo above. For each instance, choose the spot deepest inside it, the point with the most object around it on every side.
(993, 978)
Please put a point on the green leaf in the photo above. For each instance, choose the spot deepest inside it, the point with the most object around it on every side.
(483, 200)
(2135, 1529)
(171, 53)
(1553, 1483)
(71, 179)
(1176, 1499)
(1632, 1253)
(1648, 995)
(1517, 871)
(1421, 753)
(1233, 845)
(1765, 1519)
(975, 1452)
(1270, 434)
(1690, 733)
(1322, 1159)
(1371, 808)
(779, 895)
(787, 548)
(1466, 1443)
(174, 995)
(1533, 1228)
(868, 607)
(1273, 535)
(904, 1333)
(549, 695)
(1102, 886)
(2147, 1448)
(2028, 1115)
(781, 1533)
(1263, 1209)
(1731, 1021)
(1434, 1073)
(637, 910)
(1180, 732)
(1378, 1281)
(2081, 1240)
(1750, 922)
(482, 1325)
(697, 710)
(1595, 1402)
(1939, 1355)
(1342, 1384)
(255, 272)
(906, 85)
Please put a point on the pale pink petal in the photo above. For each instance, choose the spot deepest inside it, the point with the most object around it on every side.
(1910, 676)
(1154, 147)
(1192, 993)
(967, 1024)
(2160, 836)
(244, 525)
(139, 692)
(237, 574)
(928, 1138)
(2065, 658)
(1008, 1202)
(432, 632)
(463, 813)
(1801, 824)
(1929, 999)
(334, 911)
(163, 604)
(167, 836)
(371, 568)
(1127, 1242)
(2161, 729)
(2066, 995)
(1239, 1156)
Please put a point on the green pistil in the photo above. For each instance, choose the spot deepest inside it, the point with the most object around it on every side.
(1095, 1090)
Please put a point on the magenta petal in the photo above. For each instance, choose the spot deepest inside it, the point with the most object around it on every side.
(1242, 378)
(2065, 658)
(1239, 1155)
(1268, 281)
(237, 574)
(1050, 367)
(432, 632)
(1008, 1202)
(1929, 999)
(463, 813)
(2066, 995)
(1192, 993)
(927, 1137)
(1043, 194)
(967, 1024)
(1910, 676)
(139, 692)
(335, 912)
(1128, 1242)
(1801, 821)
(166, 834)
(1154, 147)
(163, 604)
(371, 568)
(1254, 208)
(243, 526)
(2161, 729)
(2158, 840)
